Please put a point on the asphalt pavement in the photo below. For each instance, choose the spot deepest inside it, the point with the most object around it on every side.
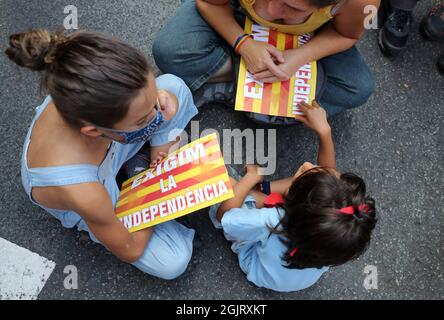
(394, 142)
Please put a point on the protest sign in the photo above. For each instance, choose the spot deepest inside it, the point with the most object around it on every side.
(192, 178)
(279, 98)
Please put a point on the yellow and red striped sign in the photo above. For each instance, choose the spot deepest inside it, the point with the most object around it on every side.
(192, 178)
(279, 98)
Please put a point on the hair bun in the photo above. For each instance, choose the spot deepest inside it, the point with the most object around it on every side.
(34, 49)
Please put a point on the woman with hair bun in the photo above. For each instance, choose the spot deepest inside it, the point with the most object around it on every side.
(104, 105)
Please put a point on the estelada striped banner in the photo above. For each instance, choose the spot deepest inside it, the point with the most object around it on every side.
(192, 178)
(280, 98)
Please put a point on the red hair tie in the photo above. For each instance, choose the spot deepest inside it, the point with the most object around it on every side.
(274, 200)
(351, 209)
(293, 252)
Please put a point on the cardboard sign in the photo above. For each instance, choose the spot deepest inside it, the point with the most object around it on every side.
(192, 178)
(280, 98)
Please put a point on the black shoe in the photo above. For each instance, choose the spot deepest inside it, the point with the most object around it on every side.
(441, 63)
(223, 93)
(432, 26)
(392, 38)
(219, 93)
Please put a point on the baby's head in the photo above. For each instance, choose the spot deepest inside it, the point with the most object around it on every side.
(329, 218)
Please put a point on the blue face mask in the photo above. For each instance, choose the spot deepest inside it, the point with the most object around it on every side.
(139, 135)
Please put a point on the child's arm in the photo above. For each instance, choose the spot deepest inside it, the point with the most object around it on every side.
(281, 186)
(160, 152)
(169, 105)
(315, 118)
(241, 189)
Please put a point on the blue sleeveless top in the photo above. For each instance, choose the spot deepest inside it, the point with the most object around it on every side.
(116, 156)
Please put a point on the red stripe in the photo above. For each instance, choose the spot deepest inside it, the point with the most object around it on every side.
(248, 104)
(272, 38)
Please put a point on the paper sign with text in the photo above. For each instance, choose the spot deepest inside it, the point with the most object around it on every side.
(192, 178)
(279, 98)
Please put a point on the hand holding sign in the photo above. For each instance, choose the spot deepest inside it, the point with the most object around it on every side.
(190, 179)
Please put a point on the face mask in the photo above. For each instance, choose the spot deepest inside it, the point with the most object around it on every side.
(139, 135)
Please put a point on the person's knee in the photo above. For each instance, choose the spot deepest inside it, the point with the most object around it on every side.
(363, 88)
(162, 53)
(175, 267)
(366, 88)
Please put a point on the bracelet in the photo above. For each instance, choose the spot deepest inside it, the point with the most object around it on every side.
(240, 41)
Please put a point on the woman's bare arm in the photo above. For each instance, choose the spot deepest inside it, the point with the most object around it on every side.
(219, 14)
(91, 201)
(347, 28)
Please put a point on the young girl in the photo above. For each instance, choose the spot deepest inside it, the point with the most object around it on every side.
(317, 218)
(104, 105)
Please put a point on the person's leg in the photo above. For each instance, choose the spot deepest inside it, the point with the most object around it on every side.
(349, 81)
(432, 25)
(168, 252)
(189, 48)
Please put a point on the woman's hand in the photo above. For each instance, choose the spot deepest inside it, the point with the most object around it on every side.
(260, 57)
(315, 118)
(293, 62)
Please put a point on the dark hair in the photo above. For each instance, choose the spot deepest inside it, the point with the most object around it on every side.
(312, 223)
(90, 76)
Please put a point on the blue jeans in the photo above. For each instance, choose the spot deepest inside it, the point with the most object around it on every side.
(191, 49)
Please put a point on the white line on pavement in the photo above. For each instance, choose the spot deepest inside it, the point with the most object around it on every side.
(23, 274)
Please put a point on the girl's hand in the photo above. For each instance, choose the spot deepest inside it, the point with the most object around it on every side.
(260, 57)
(293, 62)
(158, 159)
(255, 173)
(315, 118)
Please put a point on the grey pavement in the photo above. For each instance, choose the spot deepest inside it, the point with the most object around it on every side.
(394, 142)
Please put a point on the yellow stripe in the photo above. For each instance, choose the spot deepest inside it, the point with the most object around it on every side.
(240, 100)
(313, 84)
(280, 44)
(291, 95)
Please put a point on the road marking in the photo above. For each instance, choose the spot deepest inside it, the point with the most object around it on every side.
(23, 273)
